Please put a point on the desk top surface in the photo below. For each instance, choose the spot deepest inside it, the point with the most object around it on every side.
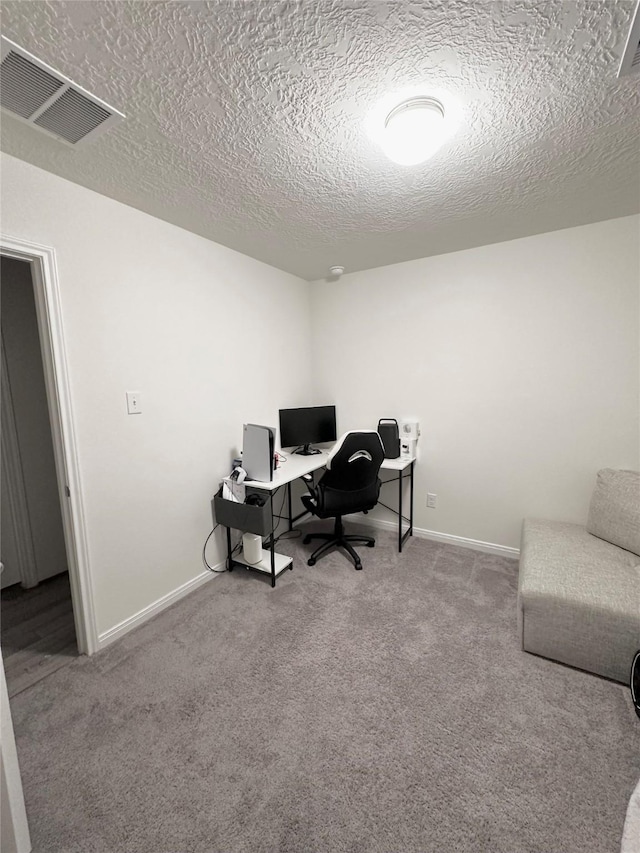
(294, 465)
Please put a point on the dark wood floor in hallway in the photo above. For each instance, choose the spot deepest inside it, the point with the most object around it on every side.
(37, 631)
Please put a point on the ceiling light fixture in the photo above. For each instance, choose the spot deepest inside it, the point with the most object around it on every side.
(414, 130)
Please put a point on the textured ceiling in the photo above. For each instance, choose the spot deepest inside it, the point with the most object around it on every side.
(246, 121)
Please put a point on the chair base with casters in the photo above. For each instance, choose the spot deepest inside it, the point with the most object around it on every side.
(338, 539)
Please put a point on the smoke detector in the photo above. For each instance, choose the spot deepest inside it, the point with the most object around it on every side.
(37, 94)
(336, 271)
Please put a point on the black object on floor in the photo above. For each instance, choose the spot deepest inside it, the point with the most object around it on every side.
(635, 682)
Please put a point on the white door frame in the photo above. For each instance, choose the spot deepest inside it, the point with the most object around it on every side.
(44, 272)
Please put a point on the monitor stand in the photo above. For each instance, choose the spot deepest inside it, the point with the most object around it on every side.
(307, 450)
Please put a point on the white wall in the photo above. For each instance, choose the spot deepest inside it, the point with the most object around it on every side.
(520, 361)
(204, 333)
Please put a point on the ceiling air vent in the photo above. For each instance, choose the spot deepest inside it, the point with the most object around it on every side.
(42, 97)
(631, 57)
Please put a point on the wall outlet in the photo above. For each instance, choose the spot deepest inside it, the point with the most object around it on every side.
(431, 500)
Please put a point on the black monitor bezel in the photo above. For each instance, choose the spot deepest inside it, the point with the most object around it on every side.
(318, 438)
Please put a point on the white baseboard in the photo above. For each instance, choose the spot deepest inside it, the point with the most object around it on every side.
(447, 538)
(108, 637)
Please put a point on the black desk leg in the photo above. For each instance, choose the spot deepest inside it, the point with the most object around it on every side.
(411, 507)
(229, 560)
(273, 547)
(289, 502)
(400, 512)
(402, 537)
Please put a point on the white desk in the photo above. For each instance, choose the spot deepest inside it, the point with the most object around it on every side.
(294, 466)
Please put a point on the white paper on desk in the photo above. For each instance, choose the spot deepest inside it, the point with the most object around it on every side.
(232, 490)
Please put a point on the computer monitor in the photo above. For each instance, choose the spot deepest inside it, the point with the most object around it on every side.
(302, 427)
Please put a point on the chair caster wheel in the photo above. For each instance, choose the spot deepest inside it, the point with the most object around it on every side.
(371, 544)
(311, 562)
(358, 567)
(306, 540)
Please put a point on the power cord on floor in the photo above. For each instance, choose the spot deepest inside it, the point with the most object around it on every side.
(204, 553)
(289, 534)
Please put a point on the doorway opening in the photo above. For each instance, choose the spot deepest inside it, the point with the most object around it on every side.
(37, 633)
(46, 602)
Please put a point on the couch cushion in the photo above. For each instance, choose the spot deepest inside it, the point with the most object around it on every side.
(614, 513)
(578, 598)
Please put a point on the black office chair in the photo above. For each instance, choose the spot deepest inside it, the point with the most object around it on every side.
(350, 484)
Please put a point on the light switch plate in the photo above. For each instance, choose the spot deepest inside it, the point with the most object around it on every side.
(133, 402)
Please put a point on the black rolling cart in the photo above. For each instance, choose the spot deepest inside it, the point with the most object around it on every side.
(252, 518)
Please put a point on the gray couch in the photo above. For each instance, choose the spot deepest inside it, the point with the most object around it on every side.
(579, 587)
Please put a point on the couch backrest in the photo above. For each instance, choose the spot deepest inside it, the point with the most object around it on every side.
(614, 512)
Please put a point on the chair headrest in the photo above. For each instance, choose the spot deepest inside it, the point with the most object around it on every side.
(358, 454)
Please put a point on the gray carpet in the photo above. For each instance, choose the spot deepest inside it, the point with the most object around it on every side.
(376, 711)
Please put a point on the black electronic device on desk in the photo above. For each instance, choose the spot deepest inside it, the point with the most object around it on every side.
(390, 436)
(306, 426)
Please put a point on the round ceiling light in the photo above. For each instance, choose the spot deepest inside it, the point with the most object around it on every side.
(414, 130)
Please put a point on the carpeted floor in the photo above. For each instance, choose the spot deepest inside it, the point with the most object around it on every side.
(370, 712)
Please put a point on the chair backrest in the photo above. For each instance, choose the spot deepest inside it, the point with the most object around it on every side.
(350, 482)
